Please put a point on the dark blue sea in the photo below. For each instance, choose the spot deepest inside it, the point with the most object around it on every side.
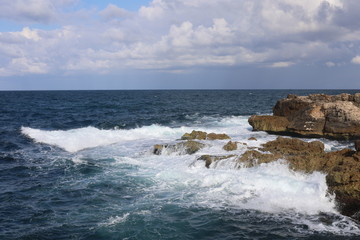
(79, 165)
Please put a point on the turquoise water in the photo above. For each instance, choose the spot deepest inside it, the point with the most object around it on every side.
(79, 165)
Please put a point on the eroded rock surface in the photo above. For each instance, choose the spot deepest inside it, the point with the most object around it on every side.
(230, 146)
(199, 135)
(188, 147)
(314, 115)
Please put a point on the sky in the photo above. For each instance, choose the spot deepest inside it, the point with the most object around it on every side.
(179, 44)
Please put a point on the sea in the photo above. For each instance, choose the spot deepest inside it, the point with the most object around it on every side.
(80, 165)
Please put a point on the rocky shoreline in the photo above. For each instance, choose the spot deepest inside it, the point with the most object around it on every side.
(335, 117)
(316, 115)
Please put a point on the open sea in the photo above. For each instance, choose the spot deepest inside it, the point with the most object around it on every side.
(79, 165)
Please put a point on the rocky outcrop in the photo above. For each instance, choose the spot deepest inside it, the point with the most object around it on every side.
(313, 116)
(342, 167)
(199, 135)
(209, 159)
(230, 146)
(188, 147)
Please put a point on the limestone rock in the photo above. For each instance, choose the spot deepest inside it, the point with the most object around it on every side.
(199, 135)
(316, 115)
(188, 147)
(209, 159)
(215, 136)
(269, 123)
(230, 146)
(194, 135)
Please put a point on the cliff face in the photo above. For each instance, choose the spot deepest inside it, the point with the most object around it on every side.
(321, 115)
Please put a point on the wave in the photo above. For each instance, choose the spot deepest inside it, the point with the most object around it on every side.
(74, 140)
(89, 137)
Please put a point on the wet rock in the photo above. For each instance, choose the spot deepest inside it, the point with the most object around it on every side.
(342, 167)
(209, 159)
(215, 136)
(316, 115)
(194, 135)
(252, 139)
(188, 147)
(199, 135)
(357, 145)
(230, 146)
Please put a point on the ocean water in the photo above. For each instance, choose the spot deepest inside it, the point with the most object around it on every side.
(79, 165)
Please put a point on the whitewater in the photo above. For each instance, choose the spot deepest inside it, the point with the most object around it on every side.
(268, 188)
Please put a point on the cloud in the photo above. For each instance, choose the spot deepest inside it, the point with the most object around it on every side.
(176, 35)
(33, 11)
(281, 64)
(330, 64)
(113, 11)
(356, 60)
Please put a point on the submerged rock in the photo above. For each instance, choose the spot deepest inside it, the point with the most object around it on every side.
(188, 147)
(209, 159)
(314, 115)
(199, 135)
(230, 146)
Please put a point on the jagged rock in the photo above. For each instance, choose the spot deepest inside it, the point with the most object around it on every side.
(194, 135)
(342, 167)
(215, 136)
(314, 115)
(209, 159)
(269, 123)
(199, 135)
(230, 146)
(188, 147)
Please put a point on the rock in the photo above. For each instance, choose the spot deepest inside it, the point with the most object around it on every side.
(342, 167)
(252, 139)
(269, 123)
(188, 147)
(199, 135)
(316, 115)
(194, 135)
(357, 145)
(158, 148)
(214, 136)
(209, 159)
(230, 146)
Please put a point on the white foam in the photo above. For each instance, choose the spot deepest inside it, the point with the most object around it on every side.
(78, 139)
(115, 220)
(74, 140)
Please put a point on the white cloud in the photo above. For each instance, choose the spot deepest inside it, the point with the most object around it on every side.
(154, 11)
(175, 35)
(113, 11)
(33, 11)
(356, 60)
(281, 64)
(330, 64)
